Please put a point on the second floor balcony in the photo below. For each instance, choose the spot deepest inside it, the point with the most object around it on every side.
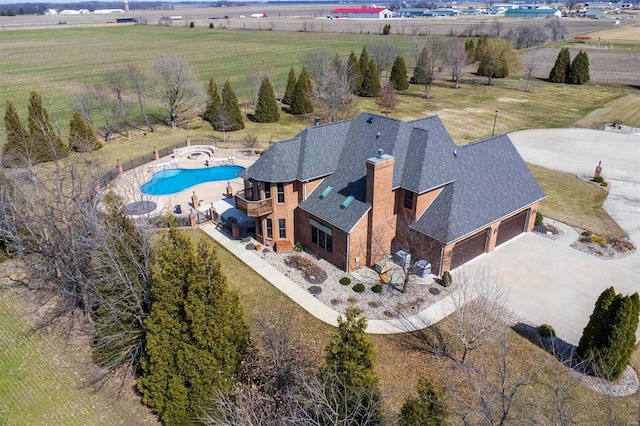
(253, 208)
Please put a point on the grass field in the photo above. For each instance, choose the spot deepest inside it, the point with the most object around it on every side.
(42, 378)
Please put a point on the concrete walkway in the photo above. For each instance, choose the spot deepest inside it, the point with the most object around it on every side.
(308, 302)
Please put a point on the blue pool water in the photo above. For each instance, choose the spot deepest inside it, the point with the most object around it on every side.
(175, 180)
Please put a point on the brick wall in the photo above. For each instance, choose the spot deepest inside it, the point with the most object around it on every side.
(382, 218)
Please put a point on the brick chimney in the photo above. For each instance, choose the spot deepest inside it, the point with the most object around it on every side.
(382, 220)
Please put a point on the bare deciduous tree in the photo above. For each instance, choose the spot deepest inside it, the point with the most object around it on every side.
(479, 308)
(98, 108)
(427, 62)
(332, 89)
(490, 389)
(388, 98)
(139, 81)
(456, 60)
(529, 68)
(557, 28)
(383, 53)
(116, 82)
(178, 87)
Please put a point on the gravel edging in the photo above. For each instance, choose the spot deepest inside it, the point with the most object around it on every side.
(390, 303)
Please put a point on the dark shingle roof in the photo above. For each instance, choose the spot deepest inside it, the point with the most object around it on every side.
(491, 180)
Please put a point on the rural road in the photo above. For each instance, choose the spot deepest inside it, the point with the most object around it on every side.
(548, 281)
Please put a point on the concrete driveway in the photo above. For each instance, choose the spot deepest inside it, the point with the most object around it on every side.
(548, 281)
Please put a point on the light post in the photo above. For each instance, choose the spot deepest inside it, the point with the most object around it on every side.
(494, 124)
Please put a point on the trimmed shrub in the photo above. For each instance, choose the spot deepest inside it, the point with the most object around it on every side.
(539, 219)
(359, 288)
(345, 280)
(446, 279)
(377, 288)
(547, 331)
(192, 24)
(604, 184)
(586, 233)
(211, 25)
(598, 240)
(299, 247)
(386, 30)
(598, 179)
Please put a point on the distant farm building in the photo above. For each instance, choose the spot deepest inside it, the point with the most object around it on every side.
(410, 12)
(442, 12)
(361, 13)
(107, 11)
(532, 13)
(594, 14)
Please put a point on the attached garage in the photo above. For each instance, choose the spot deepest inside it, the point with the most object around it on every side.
(469, 248)
(512, 227)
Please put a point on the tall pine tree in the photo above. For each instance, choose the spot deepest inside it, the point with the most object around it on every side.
(213, 102)
(17, 148)
(579, 72)
(399, 74)
(561, 69)
(123, 290)
(355, 73)
(609, 338)
(46, 143)
(267, 107)
(229, 117)
(197, 335)
(301, 103)
(349, 367)
(82, 138)
(370, 80)
(291, 85)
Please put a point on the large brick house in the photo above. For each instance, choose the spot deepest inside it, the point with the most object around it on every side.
(357, 191)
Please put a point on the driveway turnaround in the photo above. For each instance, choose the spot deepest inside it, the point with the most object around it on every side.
(550, 282)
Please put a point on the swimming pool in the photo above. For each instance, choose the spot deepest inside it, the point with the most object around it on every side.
(171, 181)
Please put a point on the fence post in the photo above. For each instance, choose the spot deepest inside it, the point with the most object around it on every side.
(156, 154)
(119, 166)
(188, 141)
(192, 219)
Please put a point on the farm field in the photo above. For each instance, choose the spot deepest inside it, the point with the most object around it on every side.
(59, 61)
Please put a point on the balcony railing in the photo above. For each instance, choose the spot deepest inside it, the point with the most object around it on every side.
(253, 208)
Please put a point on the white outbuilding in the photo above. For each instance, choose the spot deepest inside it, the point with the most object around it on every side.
(361, 12)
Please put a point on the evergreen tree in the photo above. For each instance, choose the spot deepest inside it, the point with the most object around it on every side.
(364, 60)
(421, 72)
(615, 355)
(350, 365)
(213, 102)
(425, 409)
(46, 143)
(355, 74)
(123, 290)
(229, 116)
(609, 338)
(291, 84)
(82, 138)
(267, 107)
(370, 80)
(301, 103)
(579, 71)
(197, 333)
(595, 332)
(399, 74)
(470, 48)
(562, 68)
(497, 58)
(17, 148)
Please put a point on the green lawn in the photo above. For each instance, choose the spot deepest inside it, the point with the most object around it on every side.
(41, 379)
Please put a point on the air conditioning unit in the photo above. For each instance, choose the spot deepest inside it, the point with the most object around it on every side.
(403, 258)
(422, 268)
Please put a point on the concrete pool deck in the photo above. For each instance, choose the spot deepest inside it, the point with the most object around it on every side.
(128, 185)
